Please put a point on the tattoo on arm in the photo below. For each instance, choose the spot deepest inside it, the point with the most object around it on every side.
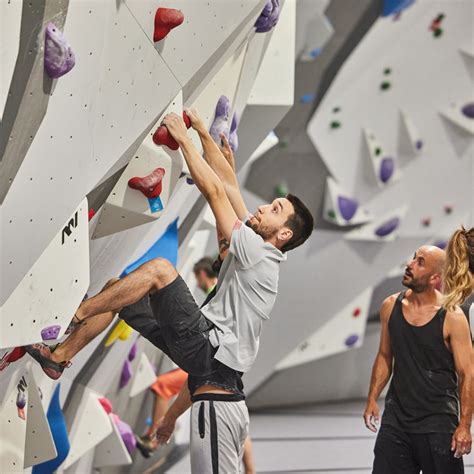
(223, 245)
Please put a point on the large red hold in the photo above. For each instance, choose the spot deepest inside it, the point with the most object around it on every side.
(165, 20)
(163, 137)
(151, 185)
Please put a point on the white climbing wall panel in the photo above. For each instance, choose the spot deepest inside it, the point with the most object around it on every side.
(144, 375)
(112, 450)
(45, 297)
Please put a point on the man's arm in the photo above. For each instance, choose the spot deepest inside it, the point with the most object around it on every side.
(222, 163)
(382, 369)
(461, 347)
(204, 177)
(167, 423)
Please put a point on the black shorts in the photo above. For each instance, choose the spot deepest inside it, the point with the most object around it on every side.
(172, 321)
(397, 452)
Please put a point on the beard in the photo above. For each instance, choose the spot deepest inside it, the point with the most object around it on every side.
(417, 285)
(265, 232)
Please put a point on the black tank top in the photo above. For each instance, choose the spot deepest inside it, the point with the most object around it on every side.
(423, 394)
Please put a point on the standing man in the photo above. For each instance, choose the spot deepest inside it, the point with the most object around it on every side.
(206, 274)
(428, 350)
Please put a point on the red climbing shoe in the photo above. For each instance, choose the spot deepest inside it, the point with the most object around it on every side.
(150, 185)
(42, 354)
(16, 354)
(165, 20)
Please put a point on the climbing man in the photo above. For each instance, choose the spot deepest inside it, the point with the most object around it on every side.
(219, 342)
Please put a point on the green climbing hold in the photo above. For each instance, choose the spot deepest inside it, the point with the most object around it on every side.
(336, 110)
(331, 214)
(282, 143)
(385, 85)
(281, 190)
(387, 71)
(378, 150)
(437, 32)
(335, 124)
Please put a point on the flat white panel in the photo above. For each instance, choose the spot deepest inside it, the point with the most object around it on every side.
(39, 445)
(10, 14)
(112, 450)
(91, 425)
(318, 33)
(410, 137)
(332, 336)
(45, 297)
(117, 89)
(279, 59)
(367, 232)
(12, 430)
(189, 47)
(144, 376)
(126, 207)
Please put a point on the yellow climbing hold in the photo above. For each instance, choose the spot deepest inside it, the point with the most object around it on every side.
(121, 331)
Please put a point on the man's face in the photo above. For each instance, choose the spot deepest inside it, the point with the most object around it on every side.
(203, 281)
(420, 272)
(269, 219)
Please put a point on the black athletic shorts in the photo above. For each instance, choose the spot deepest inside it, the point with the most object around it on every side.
(397, 452)
(172, 321)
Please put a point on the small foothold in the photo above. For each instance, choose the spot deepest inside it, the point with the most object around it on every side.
(126, 374)
(335, 124)
(91, 214)
(306, 98)
(269, 16)
(281, 190)
(106, 404)
(437, 32)
(356, 312)
(468, 110)
(304, 346)
(151, 185)
(448, 209)
(133, 352)
(148, 421)
(50, 333)
(314, 53)
(331, 214)
(336, 110)
(387, 227)
(385, 85)
(387, 167)
(378, 151)
(347, 207)
(387, 71)
(351, 340)
(189, 181)
(283, 143)
(21, 400)
(419, 144)
(221, 120)
(59, 58)
(165, 20)
(426, 221)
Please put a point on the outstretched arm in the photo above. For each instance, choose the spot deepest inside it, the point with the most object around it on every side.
(221, 161)
(203, 176)
(461, 347)
(382, 369)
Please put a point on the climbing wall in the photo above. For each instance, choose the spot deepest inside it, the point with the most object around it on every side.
(89, 191)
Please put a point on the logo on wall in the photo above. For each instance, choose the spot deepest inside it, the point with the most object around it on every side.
(68, 228)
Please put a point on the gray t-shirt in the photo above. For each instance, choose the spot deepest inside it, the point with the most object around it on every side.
(246, 291)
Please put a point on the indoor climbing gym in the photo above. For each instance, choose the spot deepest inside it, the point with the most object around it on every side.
(236, 236)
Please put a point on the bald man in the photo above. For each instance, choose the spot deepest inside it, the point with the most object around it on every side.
(428, 408)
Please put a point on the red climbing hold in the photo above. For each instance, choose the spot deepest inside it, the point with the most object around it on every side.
(91, 213)
(356, 312)
(165, 20)
(151, 185)
(163, 137)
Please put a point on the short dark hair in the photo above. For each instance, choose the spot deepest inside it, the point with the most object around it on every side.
(206, 265)
(301, 222)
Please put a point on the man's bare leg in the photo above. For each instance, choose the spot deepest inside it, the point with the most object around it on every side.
(155, 274)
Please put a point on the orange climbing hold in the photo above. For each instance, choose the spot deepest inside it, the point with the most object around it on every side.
(165, 20)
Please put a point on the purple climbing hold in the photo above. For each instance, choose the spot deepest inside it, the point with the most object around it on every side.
(126, 374)
(468, 110)
(189, 181)
(50, 333)
(220, 124)
(233, 138)
(351, 340)
(133, 352)
(347, 207)
(269, 16)
(21, 400)
(419, 144)
(127, 435)
(59, 58)
(442, 244)
(387, 167)
(387, 227)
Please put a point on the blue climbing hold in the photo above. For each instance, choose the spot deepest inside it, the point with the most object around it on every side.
(306, 98)
(387, 227)
(387, 167)
(347, 207)
(395, 6)
(351, 340)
